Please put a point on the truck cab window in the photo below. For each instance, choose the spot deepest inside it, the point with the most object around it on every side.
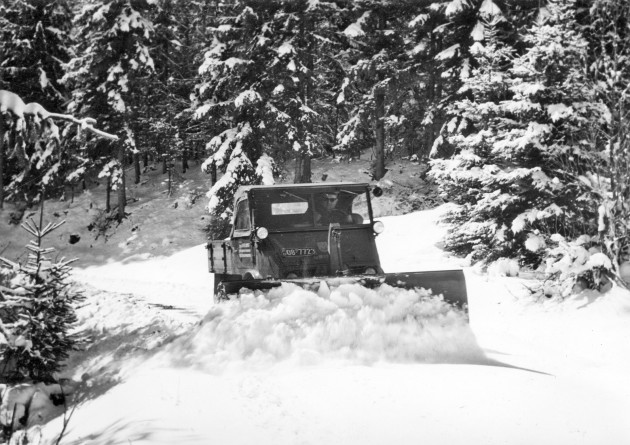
(242, 221)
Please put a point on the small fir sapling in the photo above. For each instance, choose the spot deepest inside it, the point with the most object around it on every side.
(37, 310)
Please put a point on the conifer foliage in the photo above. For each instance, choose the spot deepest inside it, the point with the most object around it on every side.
(37, 310)
(260, 79)
(524, 152)
(610, 72)
(111, 56)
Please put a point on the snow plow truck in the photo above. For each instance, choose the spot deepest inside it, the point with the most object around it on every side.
(309, 233)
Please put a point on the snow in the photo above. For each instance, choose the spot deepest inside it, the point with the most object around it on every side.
(490, 9)
(343, 365)
(534, 242)
(285, 48)
(559, 111)
(265, 169)
(478, 33)
(11, 102)
(355, 29)
(448, 53)
(599, 260)
(455, 7)
(419, 20)
(246, 97)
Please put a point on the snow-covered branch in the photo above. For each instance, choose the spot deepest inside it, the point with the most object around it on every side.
(12, 103)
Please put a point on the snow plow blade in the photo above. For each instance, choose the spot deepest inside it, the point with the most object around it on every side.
(449, 283)
(223, 288)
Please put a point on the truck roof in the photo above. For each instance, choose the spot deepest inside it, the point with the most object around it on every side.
(314, 187)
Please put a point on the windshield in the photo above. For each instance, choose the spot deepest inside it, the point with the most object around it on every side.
(283, 209)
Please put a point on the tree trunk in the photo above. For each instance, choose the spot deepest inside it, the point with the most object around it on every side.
(2, 129)
(164, 165)
(379, 114)
(170, 177)
(184, 160)
(145, 159)
(108, 194)
(302, 168)
(122, 196)
(136, 168)
(213, 173)
(379, 160)
(305, 126)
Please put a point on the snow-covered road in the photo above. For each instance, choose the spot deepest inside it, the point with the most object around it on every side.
(352, 367)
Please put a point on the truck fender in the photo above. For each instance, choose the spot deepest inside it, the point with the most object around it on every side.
(252, 274)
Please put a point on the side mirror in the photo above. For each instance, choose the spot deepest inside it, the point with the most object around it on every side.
(377, 191)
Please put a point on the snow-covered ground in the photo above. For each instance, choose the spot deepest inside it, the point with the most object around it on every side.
(346, 365)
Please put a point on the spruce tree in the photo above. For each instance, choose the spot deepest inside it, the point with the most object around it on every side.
(263, 92)
(374, 84)
(34, 43)
(521, 136)
(112, 60)
(609, 70)
(37, 310)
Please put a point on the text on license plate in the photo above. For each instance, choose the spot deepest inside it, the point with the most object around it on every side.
(298, 252)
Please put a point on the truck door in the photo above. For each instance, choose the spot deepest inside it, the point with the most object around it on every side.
(242, 246)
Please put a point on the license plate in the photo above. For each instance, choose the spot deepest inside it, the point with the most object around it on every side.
(307, 251)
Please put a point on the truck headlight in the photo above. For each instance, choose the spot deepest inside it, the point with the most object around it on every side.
(378, 227)
(262, 233)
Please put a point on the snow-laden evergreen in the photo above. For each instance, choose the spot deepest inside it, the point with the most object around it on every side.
(111, 57)
(262, 90)
(38, 310)
(34, 43)
(610, 72)
(522, 133)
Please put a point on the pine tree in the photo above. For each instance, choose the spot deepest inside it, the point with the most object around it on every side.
(164, 117)
(112, 58)
(610, 73)
(521, 136)
(377, 72)
(34, 43)
(31, 125)
(37, 310)
(261, 78)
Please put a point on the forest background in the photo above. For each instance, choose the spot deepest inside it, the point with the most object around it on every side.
(518, 106)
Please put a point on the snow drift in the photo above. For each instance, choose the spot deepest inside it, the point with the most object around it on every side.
(349, 323)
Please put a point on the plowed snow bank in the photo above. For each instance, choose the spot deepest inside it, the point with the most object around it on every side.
(348, 323)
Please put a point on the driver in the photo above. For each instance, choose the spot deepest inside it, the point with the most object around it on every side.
(327, 210)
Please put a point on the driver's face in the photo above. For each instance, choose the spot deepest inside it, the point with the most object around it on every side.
(331, 201)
